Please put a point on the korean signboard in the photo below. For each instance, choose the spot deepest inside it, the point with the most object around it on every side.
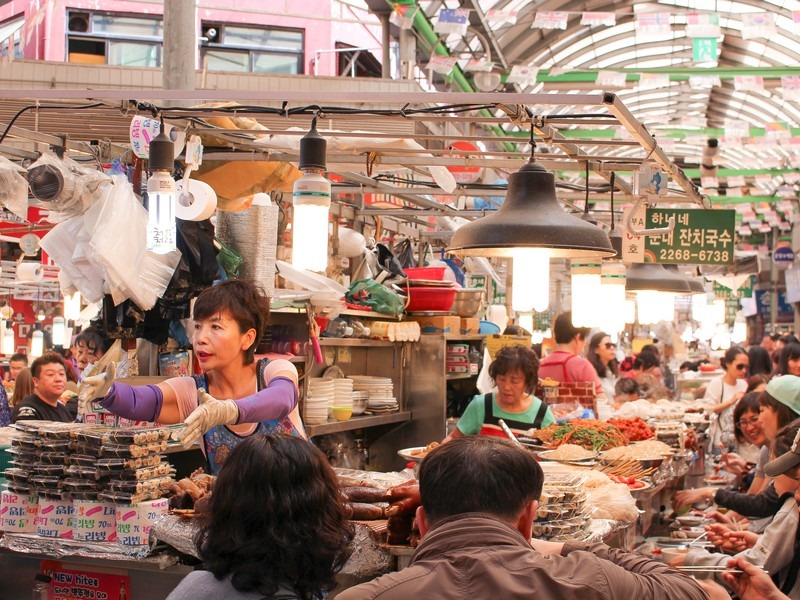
(700, 237)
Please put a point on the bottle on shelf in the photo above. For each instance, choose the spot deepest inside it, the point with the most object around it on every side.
(359, 329)
(338, 328)
(362, 453)
(474, 361)
(41, 587)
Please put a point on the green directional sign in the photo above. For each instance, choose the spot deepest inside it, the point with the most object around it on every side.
(704, 49)
(700, 237)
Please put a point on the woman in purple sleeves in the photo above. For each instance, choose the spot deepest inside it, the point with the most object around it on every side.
(259, 397)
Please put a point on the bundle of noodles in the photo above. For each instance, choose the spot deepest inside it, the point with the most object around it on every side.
(588, 433)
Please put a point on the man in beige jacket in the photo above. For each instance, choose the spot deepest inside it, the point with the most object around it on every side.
(479, 500)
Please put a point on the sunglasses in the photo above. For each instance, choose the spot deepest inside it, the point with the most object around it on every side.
(741, 367)
(610, 345)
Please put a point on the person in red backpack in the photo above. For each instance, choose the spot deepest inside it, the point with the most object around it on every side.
(564, 364)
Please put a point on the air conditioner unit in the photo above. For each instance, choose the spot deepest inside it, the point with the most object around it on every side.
(78, 23)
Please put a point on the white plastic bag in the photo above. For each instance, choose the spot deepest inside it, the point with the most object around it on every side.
(613, 501)
(13, 188)
(119, 244)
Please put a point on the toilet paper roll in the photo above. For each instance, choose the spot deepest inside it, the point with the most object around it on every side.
(18, 512)
(54, 518)
(94, 521)
(134, 521)
(203, 201)
(30, 271)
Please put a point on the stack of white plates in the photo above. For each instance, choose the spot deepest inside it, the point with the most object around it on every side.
(380, 390)
(343, 392)
(318, 400)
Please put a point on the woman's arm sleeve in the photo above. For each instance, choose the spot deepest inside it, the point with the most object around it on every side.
(754, 506)
(275, 401)
(139, 403)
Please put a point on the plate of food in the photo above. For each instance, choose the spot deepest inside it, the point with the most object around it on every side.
(634, 485)
(690, 520)
(417, 453)
(570, 453)
(716, 480)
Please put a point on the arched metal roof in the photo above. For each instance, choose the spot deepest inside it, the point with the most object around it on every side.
(673, 111)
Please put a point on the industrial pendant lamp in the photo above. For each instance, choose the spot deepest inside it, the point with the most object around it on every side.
(655, 288)
(311, 199)
(37, 342)
(530, 228)
(161, 195)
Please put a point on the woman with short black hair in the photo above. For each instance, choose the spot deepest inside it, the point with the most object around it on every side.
(277, 527)
(255, 397)
(515, 372)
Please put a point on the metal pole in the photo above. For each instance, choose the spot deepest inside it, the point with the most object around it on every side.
(180, 45)
(386, 67)
(773, 284)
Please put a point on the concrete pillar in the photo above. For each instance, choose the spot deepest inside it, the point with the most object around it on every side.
(408, 53)
(180, 45)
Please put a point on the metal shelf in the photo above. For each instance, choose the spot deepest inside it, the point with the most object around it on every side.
(455, 376)
(357, 342)
(357, 423)
(366, 314)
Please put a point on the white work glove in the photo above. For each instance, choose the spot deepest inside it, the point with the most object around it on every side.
(95, 386)
(210, 413)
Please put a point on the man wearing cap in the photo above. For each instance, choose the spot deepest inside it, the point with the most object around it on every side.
(776, 549)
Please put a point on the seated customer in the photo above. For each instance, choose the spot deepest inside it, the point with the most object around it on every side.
(626, 390)
(479, 500)
(49, 382)
(277, 527)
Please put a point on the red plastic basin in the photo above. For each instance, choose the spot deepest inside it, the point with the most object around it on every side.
(429, 273)
(430, 299)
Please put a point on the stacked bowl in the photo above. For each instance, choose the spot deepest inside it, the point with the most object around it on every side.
(318, 400)
(342, 408)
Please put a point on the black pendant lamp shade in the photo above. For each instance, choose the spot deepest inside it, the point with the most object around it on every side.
(695, 284)
(653, 276)
(531, 217)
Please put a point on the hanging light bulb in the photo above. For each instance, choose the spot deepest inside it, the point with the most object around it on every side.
(718, 307)
(59, 331)
(525, 320)
(311, 199)
(739, 333)
(41, 315)
(6, 311)
(531, 218)
(585, 292)
(161, 195)
(653, 306)
(37, 343)
(9, 343)
(612, 296)
(72, 307)
(629, 311)
(530, 268)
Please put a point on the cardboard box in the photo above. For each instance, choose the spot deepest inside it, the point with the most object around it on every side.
(470, 326)
(439, 325)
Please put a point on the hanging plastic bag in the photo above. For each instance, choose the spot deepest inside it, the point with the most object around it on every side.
(119, 245)
(368, 292)
(404, 252)
(228, 258)
(13, 188)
